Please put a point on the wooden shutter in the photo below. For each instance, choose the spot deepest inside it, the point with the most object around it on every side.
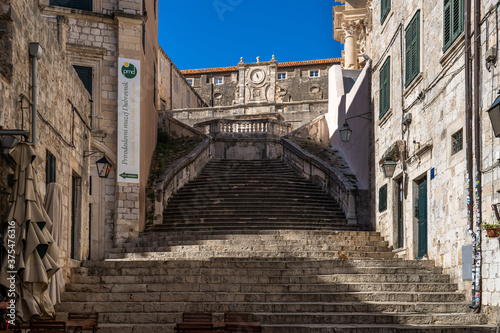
(412, 39)
(385, 87)
(75, 4)
(85, 74)
(447, 24)
(453, 21)
(382, 198)
(385, 8)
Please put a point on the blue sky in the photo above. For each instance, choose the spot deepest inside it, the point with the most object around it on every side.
(216, 33)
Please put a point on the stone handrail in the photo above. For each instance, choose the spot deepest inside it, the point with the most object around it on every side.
(243, 127)
(332, 181)
(178, 174)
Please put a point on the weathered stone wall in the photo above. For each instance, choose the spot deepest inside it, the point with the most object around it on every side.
(436, 101)
(173, 89)
(298, 85)
(63, 115)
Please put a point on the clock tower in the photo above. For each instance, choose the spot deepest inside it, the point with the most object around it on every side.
(257, 82)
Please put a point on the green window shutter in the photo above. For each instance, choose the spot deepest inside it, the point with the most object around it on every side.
(85, 74)
(412, 51)
(385, 88)
(447, 24)
(382, 198)
(75, 4)
(385, 8)
(453, 21)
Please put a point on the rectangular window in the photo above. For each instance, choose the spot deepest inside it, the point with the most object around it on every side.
(144, 38)
(313, 73)
(385, 88)
(162, 66)
(85, 74)
(189, 97)
(281, 76)
(382, 198)
(50, 168)
(385, 8)
(75, 4)
(457, 142)
(176, 84)
(218, 80)
(154, 85)
(191, 82)
(412, 50)
(453, 21)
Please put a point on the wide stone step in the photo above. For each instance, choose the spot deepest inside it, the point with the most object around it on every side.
(206, 255)
(270, 236)
(197, 297)
(312, 328)
(275, 307)
(247, 227)
(248, 288)
(224, 279)
(251, 247)
(98, 274)
(147, 267)
(145, 241)
(312, 318)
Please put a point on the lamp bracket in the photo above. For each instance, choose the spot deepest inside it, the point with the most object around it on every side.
(363, 115)
(90, 153)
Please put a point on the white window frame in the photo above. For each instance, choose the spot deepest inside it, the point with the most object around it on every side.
(218, 78)
(314, 71)
(283, 78)
(191, 82)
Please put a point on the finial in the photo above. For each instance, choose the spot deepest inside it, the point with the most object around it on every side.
(258, 59)
(241, 60)
(274, 58)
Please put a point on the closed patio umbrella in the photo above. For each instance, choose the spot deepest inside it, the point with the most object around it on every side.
(35, 250)
(54, 207)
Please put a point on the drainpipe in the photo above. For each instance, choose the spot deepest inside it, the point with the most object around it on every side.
(468, 140)
(36, 51)
(477, 151)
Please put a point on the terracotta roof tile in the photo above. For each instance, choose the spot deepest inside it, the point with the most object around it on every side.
(283, 64)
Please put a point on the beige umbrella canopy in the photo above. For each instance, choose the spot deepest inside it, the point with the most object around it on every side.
(35, 250)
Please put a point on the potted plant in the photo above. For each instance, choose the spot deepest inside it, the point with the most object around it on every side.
(493, 230)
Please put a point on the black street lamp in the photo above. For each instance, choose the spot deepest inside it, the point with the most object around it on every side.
(346, 131)
(494, 113)
(388, 167)
(103, 167)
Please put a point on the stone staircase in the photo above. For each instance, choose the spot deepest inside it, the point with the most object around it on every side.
(218, 251)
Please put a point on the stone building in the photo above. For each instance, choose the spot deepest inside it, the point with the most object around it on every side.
(63, 124)
(298, 91)
(420, 102)
(98, 38)
(92, 50)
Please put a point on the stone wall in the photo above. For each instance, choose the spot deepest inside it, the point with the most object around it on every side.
(173, 89)
(435, 99)
(63, 115)
(297, 86)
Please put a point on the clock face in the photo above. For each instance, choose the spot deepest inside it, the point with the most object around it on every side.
(257, 76)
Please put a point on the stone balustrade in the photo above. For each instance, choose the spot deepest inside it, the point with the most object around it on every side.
(181, 172)
(350, 197)
(244, 127)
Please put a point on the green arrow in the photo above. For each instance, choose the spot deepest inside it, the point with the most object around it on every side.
(129, 175)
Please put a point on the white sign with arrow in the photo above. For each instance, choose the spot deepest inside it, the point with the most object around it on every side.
(129, 111)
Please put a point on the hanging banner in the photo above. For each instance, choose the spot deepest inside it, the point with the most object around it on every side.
(129, 112)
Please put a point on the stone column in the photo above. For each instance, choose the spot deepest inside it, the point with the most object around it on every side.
(351, 29)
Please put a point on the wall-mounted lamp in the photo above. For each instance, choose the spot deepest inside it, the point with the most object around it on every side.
(388, 167)
(103, 165)
(346, 131)
(494, 113)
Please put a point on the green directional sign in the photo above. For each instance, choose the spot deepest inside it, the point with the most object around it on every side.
(129, 175)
